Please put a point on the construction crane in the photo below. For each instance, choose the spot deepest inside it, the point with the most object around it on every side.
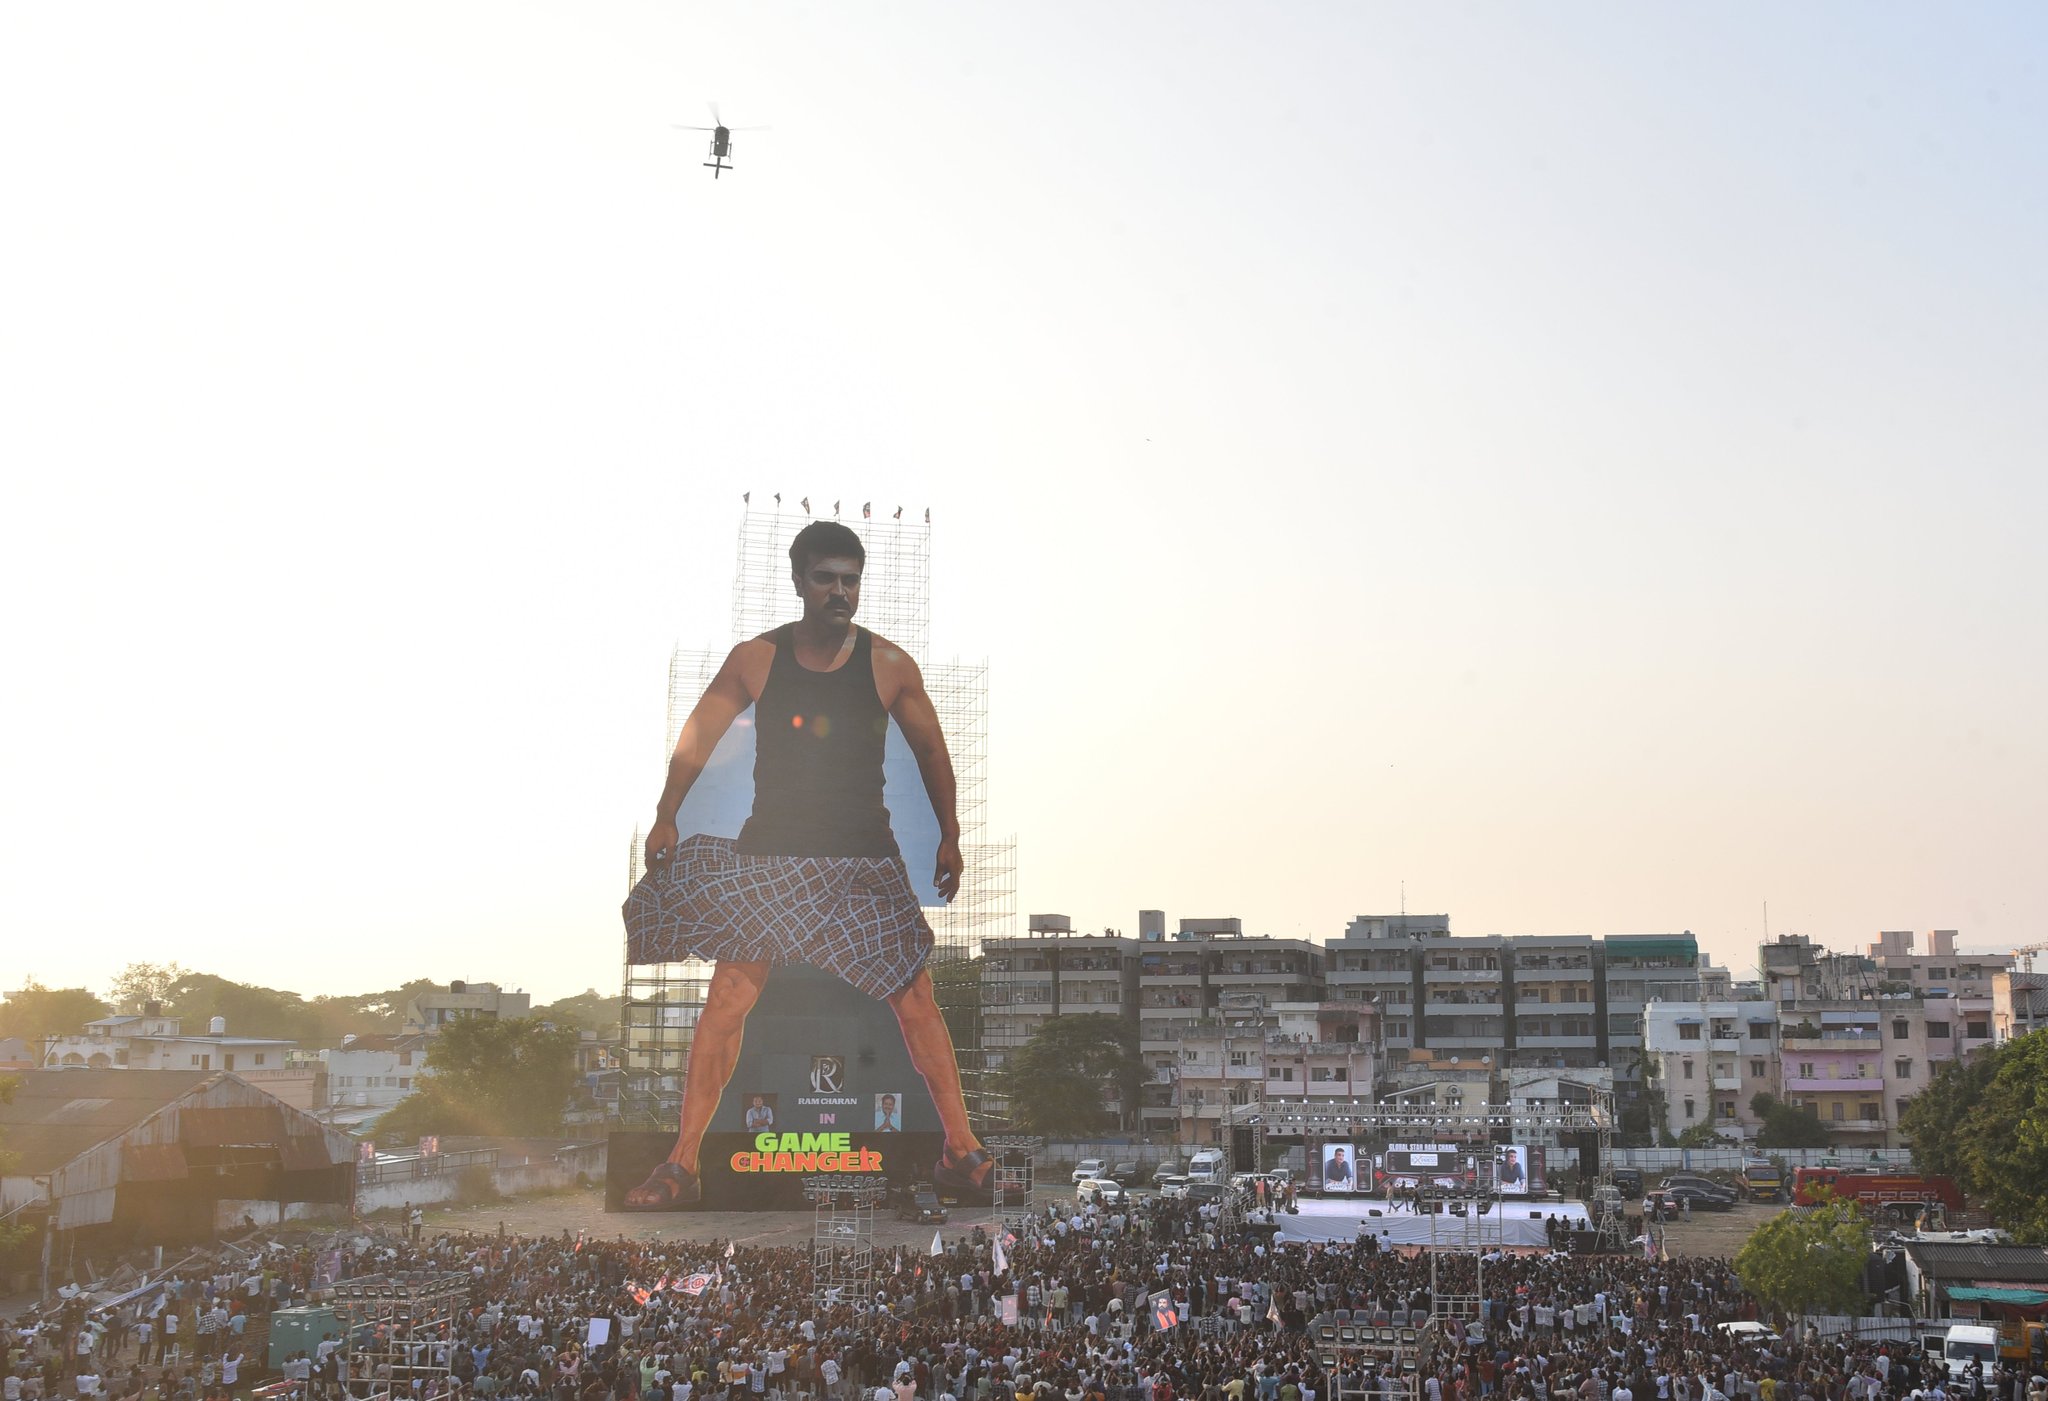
(2025, 954)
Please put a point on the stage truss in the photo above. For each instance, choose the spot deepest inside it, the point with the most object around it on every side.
(1015, 1179)
(1484, 1125)
(843, 1238)
(394, 1323)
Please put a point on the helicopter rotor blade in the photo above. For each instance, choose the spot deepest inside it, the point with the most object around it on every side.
(716, 119)
(750, 128)
(674, 127)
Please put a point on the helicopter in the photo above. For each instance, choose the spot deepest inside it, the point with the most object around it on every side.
(721, 140)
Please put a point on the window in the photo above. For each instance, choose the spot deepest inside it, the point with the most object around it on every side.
(1287, 1072)
(1689, 1111)
(1901, 1029)
(1838, 1110)
(1688, 1070)
(1240, 1057)
(405, 1057)
(1977, 1031)
(1728, 1109)
(1756, 1070)
(1937, 1031)
(1867, 1112)
(1806, 1070)
(1689, 1031)
(1903, 1067)
(1759, 1031)
(259, 1058)
(405, 1082)
(1900, 1105)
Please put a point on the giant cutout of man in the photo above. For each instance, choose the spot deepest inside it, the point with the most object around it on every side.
(815, 875)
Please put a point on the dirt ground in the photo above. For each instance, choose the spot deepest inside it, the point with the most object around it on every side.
(1708, 1233)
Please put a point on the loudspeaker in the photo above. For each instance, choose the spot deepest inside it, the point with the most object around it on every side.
(1588, 1145)
(1372, 1211)
(1242, 1151)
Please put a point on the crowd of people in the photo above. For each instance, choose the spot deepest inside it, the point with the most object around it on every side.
(1150, 1301)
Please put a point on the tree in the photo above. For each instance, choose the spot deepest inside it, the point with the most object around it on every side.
(142, 983)
(12, 1237)
(33, 1012)
(491, 1075)
(1984, 1122)
(1701, 1135)
(1055, 1083)
(1808, 1261)
(1784, 1126)
(589, 1010)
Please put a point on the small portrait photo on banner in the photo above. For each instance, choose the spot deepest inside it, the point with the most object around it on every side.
(760, 1112)
(888, 1112)
(1340, 1168)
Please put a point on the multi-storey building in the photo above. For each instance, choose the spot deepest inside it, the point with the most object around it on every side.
(1708, 1060)
(1053, 971)
(1555, 984)
(430, 1011)
(1323, 1051)
(1978, 1003)
(374, 1072)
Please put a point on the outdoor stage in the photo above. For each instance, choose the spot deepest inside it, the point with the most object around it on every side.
(1514, 1225)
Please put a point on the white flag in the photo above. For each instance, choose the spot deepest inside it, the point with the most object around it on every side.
(1002, 1263)
(937, 1247)
(728, 1250)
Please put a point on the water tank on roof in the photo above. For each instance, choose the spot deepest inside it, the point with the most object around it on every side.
(458, 986)
(217, 1027)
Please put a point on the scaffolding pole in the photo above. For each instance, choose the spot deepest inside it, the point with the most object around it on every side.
(843, 1238)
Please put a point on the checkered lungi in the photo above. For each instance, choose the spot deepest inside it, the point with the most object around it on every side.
(854, 916)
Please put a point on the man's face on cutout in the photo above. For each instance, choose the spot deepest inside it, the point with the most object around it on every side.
(830, 588)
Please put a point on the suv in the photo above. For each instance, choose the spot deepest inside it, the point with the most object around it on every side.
(1123, 1174)
(1102, 1191)
(1204, 1193)
(918, 1203)
(1700, 1192)
(1087, 1168)
(1168, 1167)
(1628, 1181)
(1171, 1184)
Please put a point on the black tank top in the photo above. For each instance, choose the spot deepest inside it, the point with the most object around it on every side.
(818, 741)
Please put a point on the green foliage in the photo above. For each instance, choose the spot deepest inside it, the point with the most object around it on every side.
(1783, 1126)
(12, 1238)
(589, 1010)
(1700, 1136)
(1984, 1122)
(1808, 1261)
(34, 1011)
(1055, 1083)
(142, 983)
(492, 1076)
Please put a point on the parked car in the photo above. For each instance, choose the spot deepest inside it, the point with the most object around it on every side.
(1701, 1186)
(1629, 1181)
(1125, 1174)
(1204, 1193)
(1171, 1184)
(1701, 1198)
(1102, 1191)
(1168, 1167)
(917, 1203)
(1087, 1168)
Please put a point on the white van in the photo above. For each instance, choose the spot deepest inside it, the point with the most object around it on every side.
(1966, 1343)
(1206, 1166)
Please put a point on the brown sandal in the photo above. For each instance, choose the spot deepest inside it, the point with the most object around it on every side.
(682, 1188)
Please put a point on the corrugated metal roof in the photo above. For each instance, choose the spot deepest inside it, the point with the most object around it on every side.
(58, 1114)
(152, 1162)
(2012, 1264)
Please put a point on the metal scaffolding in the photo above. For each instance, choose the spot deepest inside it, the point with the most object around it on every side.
(1015, 1183)
(843, 1237)
(398, 1326)
(662, 1001)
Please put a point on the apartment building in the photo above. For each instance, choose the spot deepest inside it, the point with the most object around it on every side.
(1323, 1051)
(428, 1012)
(1708, 1060)
(1971, 988)
(1556, 987)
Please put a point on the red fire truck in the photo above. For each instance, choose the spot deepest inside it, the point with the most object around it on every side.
(1872, 1190)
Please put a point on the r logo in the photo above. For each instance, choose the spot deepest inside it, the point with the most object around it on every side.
(828, 1073)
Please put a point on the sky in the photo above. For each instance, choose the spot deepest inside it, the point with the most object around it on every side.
(1576, 468)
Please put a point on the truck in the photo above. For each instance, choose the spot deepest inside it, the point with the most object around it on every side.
(1761, 1180)
(1871, 1190)
(1965, 1343)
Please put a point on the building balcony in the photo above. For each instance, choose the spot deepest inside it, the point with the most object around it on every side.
(1727, 1045)
(1556, 1043)
(1846, 1085)
(1535, 1007)
(1461, 975)
(1728, 1082)
(1830, 1041)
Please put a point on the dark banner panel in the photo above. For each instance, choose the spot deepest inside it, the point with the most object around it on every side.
(765, 1171)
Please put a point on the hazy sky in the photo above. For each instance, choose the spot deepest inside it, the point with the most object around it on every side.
(1582, 461)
